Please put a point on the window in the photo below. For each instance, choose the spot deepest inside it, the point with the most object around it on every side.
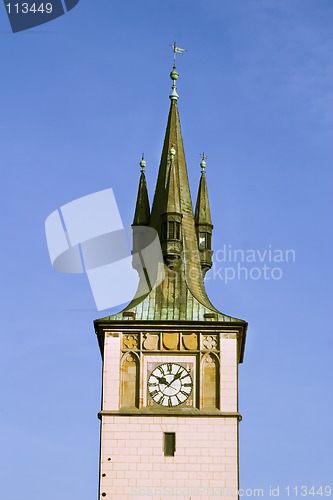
(209, 241)
(177, 230)
(205, 241)
(171, 230)
(169, 444)
(202, 241)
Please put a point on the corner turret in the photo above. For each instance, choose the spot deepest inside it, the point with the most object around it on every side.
(141, 218)
(203, 221)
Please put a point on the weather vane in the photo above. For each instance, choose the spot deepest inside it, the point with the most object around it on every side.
(176, 50)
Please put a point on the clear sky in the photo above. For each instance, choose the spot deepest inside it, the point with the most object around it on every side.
(80, 99)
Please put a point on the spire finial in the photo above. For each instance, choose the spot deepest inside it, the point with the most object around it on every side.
(143, 163)
(203, 163)
(174, 73)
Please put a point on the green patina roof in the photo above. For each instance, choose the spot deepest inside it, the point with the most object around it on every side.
(182, 295)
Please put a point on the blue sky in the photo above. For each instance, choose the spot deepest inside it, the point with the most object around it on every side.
(80, 99)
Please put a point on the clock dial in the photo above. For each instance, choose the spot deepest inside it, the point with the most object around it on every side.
(170, 384)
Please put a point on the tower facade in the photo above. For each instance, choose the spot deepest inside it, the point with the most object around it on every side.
(169, 416)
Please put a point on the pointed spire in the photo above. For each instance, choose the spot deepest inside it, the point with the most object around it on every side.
(142, 209)
(173, 140)
(203, 220)
(202, 209)
(181, 294)
(175, 172)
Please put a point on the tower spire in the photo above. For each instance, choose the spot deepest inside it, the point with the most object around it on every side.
(141, 218)
(181, 295)
(189, 281)
(142, 209)
(203, 220)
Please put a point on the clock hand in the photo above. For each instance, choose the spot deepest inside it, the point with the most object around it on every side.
(161, 380)
(176, 377)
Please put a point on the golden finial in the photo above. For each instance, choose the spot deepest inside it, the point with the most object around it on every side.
(203, 163)
(143, 163)
(174, 73)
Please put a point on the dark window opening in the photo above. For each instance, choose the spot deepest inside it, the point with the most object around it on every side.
(169, 444)
(171, 230)
(209, 241)
(177, 230)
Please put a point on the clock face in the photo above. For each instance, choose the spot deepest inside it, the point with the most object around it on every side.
(170, 384)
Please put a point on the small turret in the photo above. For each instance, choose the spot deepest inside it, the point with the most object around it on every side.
(141, 218)
(142, 210)
(203, 221)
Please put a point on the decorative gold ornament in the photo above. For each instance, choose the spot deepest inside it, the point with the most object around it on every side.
(190, 341)
(209, 342)
(130, 341)
(170, 341)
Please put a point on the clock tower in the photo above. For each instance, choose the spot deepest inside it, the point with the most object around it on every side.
(169, 416)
